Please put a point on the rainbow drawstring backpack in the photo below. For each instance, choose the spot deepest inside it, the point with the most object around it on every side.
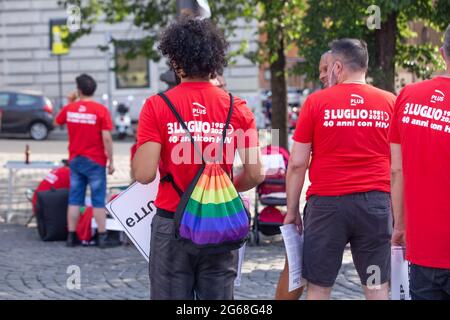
(211, 217)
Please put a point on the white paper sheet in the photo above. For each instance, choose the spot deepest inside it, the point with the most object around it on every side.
(399, 274)
(293, 241)
(237, 281)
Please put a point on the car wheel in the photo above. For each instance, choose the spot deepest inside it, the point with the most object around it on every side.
(38, 131)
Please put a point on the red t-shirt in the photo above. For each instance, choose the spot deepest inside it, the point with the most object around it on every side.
(421, 125)
(347, 125)
(204, 109)
(56, 179)
(85, 122)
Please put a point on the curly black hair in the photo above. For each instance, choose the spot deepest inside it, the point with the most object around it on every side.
(195, 48)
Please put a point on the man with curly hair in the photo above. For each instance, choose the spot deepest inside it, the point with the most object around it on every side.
(196, 51)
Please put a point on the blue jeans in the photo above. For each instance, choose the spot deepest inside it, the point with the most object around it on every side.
(83, 172)
(429, 283)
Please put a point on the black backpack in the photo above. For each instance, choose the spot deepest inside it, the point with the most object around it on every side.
(51, 214)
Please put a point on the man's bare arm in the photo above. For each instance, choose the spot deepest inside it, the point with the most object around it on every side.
(295, 178)
(108, 143)
(145, 162)
(397, 195)
(252, 173)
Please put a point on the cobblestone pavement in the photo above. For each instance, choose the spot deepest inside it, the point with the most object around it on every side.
(32, 269)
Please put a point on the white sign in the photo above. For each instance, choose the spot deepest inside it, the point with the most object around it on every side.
(134, 209)
(399, 274)
(293, 241)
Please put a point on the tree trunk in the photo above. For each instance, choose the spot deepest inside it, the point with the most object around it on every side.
(385, 39)
(278, 85)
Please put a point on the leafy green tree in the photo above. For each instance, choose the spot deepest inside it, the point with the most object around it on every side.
(390, 46)
(280, 25)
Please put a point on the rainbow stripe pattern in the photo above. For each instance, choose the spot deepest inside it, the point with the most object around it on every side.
(214, 213)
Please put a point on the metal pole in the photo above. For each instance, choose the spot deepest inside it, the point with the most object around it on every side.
(186, 7)
(60, 83)
(108, 71)
(4, 72)
(108, 78)
(9, 211)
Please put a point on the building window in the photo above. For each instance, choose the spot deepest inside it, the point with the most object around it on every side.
(132, 67)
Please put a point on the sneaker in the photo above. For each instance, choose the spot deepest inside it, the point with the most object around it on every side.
(105, 242)
(72, 240)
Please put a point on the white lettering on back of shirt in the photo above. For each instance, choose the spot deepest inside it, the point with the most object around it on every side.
(83, 118)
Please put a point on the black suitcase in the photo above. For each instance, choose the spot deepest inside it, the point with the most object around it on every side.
(51, 214)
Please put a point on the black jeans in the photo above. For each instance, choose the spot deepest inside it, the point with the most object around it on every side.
(429, 283)
(178, 275)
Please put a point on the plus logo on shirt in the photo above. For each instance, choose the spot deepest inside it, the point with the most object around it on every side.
(438, 96)
(356, 99)
(198, 109)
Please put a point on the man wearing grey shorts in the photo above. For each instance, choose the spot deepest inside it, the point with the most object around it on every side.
(344, 131)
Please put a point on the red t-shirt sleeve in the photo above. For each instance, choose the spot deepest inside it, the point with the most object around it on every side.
(61, 118)
(106, 122)
(148, 126)
(305, 124)
(248, 135)
(394, 130)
